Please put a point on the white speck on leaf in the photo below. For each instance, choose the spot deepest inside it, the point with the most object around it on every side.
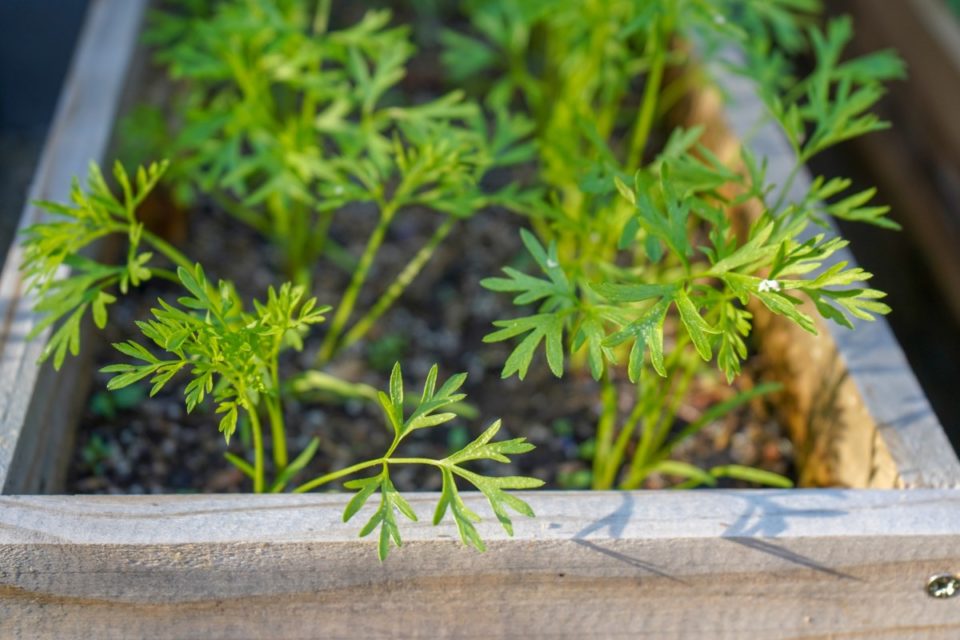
(768, 285)
(552, 263)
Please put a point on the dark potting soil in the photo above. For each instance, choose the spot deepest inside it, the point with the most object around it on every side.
(129, 443)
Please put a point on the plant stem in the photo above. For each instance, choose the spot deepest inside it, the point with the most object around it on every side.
(240, 212)
(336, 475)
(398, 286)
(360, 466)
(615, 458)
(172, 253)
(339, 256)
(321, 17)
(427, 461)
(319, 235)
(641, 131)
(787, 184)
(275, 409)
(166, 274)
(277, 432)
(608, 417)
(258, 480)
(345, 308)
(656, 433)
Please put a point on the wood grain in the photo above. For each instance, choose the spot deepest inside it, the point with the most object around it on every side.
(34, 431)
(717, 564)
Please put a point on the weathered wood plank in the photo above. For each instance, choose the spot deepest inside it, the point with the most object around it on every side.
(857, 414)
(32, 426)
(717, 564)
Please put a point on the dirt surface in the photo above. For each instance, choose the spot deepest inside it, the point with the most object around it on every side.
(129, 443)
(134, 444)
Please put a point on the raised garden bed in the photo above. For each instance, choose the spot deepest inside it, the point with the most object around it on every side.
(924, 176)
(804, 562)
(921, 181)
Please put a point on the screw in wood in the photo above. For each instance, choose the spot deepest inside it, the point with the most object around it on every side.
(943, 585)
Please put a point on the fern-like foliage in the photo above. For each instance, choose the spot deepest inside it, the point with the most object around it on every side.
(229, 354)
(66, 282)
(286, 121)
(596, 299)
(428, 413)
(635, 258)
(771, 264)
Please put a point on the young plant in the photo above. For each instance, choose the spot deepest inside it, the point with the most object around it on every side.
(58, 245)
(287, 122)
(425, 416)
(630, 250)
(232, 356)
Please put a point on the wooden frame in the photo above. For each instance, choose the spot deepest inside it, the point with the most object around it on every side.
(35, 432)
(927, 35)
(719, 564)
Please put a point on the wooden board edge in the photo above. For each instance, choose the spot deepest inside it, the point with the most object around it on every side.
(855, 410)
(79, 133)
(718, 564)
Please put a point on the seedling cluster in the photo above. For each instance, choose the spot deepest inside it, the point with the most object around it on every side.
(285, 122)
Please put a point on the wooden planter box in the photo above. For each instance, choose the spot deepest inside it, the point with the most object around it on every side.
(840, 562)
(924, 177)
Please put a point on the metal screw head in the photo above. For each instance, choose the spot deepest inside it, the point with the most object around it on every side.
(943, 585)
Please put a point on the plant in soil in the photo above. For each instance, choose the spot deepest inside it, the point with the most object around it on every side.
(232, 355)
(635, 251)
(640, 276)
(425, 155)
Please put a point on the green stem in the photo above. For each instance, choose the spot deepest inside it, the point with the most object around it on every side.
(240, 212)
(321, 17)
(360, 466)
(655, 434)
(166, 274)
(172, 253)
(398, 286)
(277, 432)
(339, 256)
(348, 301)
(615, 459)
(258, 476)
(608, 417)
(336, 475)
(788, 183)
(319, 235)
(318, 26)
(648, 107)
(427, 461)
(646, 448)
(275, 409)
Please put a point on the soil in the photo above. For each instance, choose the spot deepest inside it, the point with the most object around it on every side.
(128, 443)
